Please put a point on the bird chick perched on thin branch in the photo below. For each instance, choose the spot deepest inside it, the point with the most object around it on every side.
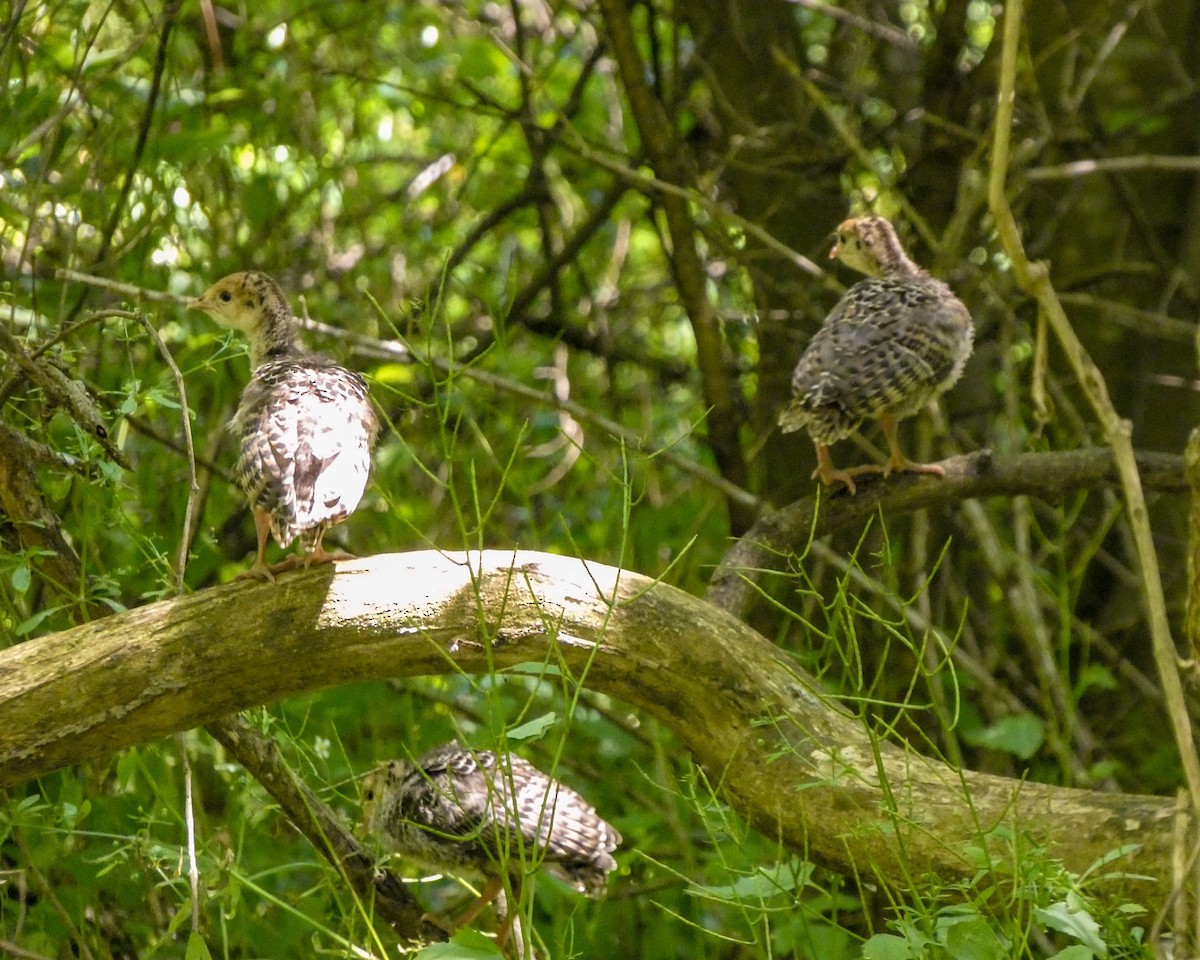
(474, 814)
(892, 344)
(305, 426)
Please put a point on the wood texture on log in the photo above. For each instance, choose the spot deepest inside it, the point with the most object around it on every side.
(779, 752)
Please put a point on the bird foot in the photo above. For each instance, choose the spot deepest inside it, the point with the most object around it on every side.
(830, 475)
(260, 571)
(904, 465)
(311, 559)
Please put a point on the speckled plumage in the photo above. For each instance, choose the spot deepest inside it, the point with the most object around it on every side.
(473, 814)
(305, 426)
(893, 343)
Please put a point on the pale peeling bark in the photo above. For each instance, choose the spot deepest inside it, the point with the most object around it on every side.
(796, 766)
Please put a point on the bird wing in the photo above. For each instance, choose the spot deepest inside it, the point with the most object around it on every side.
(306, 429)
(880, 343)
(334, 432)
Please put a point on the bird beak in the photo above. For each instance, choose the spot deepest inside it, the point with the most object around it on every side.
(197, 304)
(837, 245)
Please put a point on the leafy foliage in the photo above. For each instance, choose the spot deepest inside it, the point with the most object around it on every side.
(460, 193)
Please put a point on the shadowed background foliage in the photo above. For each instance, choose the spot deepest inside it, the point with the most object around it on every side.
(577, 249)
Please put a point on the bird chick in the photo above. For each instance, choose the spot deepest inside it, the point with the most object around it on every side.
(305, 426)
(893, 343)
(475, 814)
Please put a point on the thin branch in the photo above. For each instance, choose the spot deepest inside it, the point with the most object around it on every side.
(170, 12)
(1034, 278)
(1085, 168)
(189, 820)
(882, 31)
(768, 546)
(185, 541)
(128, 289)
(377, 889)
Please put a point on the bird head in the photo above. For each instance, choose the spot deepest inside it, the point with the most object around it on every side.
(868, 245)
(374, 785)
(239, 300)
(253, 304)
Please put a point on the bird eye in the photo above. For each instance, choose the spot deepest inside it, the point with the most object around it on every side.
(369, 795)
(101, 431)
(225, 296)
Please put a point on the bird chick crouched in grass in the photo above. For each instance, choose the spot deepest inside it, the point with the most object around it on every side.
(476, 814)
(893, 343)
(304, 425)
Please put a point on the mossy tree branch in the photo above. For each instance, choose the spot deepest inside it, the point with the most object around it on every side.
(778, 751)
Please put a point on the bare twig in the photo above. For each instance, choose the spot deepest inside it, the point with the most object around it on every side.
(189, 819)
(193, 486)
(1084, 168)
(128, 289)
(881, 31)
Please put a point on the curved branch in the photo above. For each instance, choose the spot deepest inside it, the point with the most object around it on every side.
(768, 545)
(797, 767)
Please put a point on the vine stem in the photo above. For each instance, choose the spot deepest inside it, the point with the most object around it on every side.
(1034, 279)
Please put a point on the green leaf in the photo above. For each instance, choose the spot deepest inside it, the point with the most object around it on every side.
(972, 938)
(197, 949)
(532, 729)
(1075, 923)
(31, 624)
(21, 578)
(1021, 735)
(885, 946)
(1075, 952)
(467, 944)
(1096, 676)
(764, 883)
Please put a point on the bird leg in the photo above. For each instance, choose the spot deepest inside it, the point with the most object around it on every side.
(510, 922)
(898, 462)
(314, 555)
(260, 570)
(829, 474)
(493, 889)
